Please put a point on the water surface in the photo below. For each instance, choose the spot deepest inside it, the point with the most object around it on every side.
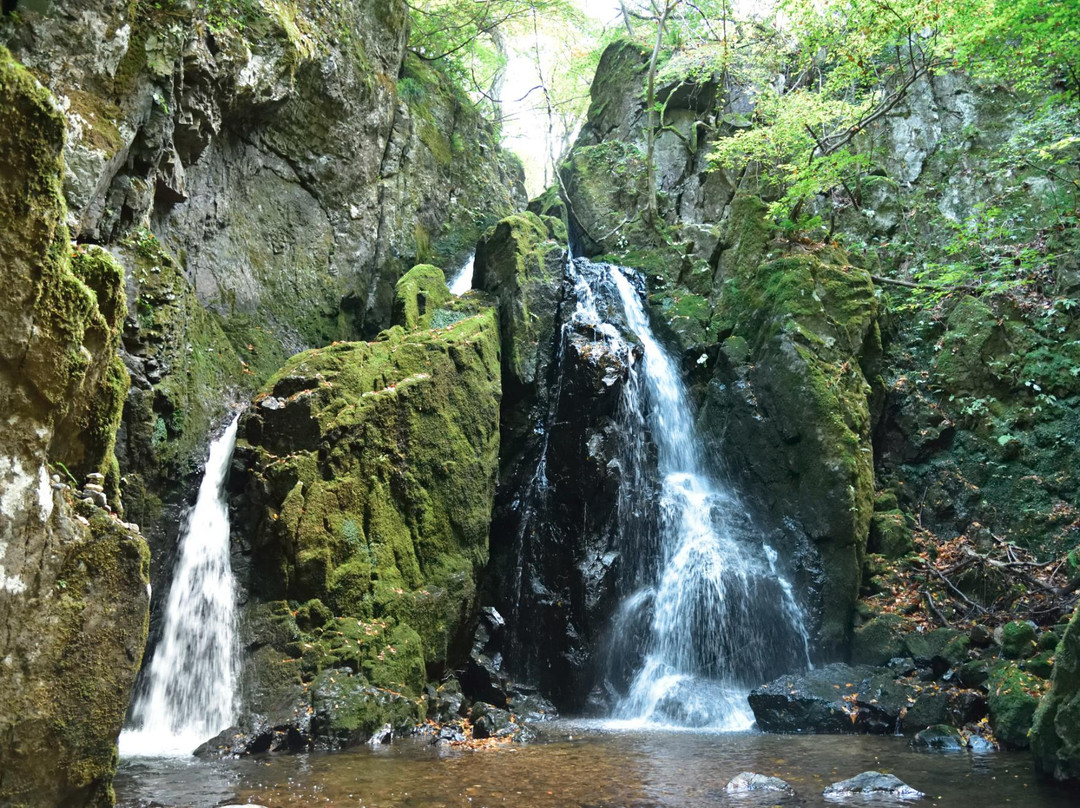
(587, 766)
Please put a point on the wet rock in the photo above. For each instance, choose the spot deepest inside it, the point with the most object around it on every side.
(490, 722)
(750, 781)
(872, 784)
(834, 698)
(939, 737)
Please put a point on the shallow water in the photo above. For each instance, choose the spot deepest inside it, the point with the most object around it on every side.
(586, 766)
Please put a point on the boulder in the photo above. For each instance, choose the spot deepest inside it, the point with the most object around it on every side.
(1012, 698)
(834, 698)
(1017, 640)
(872, 784)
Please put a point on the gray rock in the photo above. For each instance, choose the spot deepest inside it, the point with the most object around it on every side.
(939, 737)
(873, 784)
(750, 781)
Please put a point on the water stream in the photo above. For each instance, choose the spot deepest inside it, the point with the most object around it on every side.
(188, 695)
(462, 280)
(722, 616)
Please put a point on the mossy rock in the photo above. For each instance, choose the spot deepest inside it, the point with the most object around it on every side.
(1055, 734)
(347, 710)
(878, 641)
(1012, 697)
(1041, 665)
(371, 470)
(1017, 640)
(418, 294)
(890, 535)
(521, 265)
(795, 412)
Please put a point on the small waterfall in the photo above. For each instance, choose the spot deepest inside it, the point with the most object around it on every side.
(720, 616)
(189, 693)
(462, 280)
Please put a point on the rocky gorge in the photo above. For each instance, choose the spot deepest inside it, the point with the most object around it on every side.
(450, 514)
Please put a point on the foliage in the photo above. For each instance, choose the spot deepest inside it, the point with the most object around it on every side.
(853, 62)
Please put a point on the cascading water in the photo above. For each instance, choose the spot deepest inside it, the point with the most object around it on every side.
(462, 280)
(720, 616)
(189, 692)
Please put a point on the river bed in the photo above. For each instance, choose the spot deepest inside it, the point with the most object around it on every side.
(585, 765)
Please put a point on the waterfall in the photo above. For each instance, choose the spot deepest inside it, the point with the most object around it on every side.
(720, 617)
(462, 280)
(189, 693)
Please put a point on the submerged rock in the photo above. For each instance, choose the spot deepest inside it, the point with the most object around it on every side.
(872, 784)
(749, 781)
(939, 737)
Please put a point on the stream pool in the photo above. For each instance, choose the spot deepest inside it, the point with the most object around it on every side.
(583, 765)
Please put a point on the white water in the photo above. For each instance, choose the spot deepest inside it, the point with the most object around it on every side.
(462, 280)
(189, 696)
(721, 613)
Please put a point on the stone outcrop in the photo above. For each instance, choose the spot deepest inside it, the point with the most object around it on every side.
(73, 577)
(265, 173)
(364, 475)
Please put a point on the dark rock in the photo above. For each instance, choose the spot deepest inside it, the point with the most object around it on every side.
(873, 784)
(939, 737)
(981, 636)
(490, 722)
(749, 781)
(835, 698)
(878, 641)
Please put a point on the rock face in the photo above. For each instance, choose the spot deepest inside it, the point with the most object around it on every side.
(554, 569)
(73, 578)
(364, 475)
(265, 173)
(1055, 735)
(780, 340)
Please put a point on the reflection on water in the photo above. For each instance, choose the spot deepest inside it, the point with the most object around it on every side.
(585, 766)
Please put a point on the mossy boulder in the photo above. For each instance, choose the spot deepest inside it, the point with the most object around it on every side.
(1017, 640)
(1055, 733)
(606, 187)
(878, 641)
(791, 409)
(348, 711)
(1012, 697)
(368, 477)
(890, 535)
(418, 294)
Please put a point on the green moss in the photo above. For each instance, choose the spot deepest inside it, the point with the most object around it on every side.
(418, 294)
(1055, 735)
(1017, 640)
(381, 470)
(1012, 697)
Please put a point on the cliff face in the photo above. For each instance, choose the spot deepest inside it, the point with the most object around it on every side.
(73, 577)
(264, 173)
(850, 410)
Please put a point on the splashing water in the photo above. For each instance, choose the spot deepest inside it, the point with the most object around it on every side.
(189, 695)
(722, 617)
(462, 280)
